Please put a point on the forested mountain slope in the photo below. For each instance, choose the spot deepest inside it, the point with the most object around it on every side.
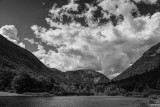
(147, 62)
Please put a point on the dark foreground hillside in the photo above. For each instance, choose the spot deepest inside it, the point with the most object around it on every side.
(21, 71)
(15, 58)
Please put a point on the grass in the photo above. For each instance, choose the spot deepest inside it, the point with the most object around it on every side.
(9, 94)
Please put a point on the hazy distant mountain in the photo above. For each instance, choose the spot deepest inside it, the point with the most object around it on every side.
(86, 76)
(149, 61)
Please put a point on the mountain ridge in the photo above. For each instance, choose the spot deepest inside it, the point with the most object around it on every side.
(15, 58)
(148, 61)
(86, 75)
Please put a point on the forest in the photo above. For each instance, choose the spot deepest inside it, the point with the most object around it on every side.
(141, 85)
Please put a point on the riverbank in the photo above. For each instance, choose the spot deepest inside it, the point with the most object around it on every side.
(10, 94)
(24, 94)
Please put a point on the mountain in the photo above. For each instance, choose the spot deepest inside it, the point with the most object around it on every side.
(16, 59)
(86, 76)
(149, 61)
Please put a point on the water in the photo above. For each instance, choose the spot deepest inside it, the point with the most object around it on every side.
(71, 101)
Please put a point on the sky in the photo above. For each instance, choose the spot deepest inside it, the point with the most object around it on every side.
(104, 35)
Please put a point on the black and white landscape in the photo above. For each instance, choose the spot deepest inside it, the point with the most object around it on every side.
(85, 53)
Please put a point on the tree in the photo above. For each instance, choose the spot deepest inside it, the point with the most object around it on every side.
(22, 82)
(5, 79)
(50, 83)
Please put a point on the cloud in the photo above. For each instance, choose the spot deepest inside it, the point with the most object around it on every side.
(58, 60)
(11, 33)
(147, 1)
(113, 75)
(118, 7)
(64, 13)
(21, 45)
(103, 47)
(31, 41)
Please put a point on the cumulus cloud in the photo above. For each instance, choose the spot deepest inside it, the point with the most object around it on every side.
(146, 1)
(102, 47)
(118, 7)
(58, 60)
(21, 45)
(11, 33)
(31, 41)
(63, 13)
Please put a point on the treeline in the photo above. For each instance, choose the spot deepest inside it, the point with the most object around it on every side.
(140, 85)
(24, 81)
(143, 85)
(148, 80)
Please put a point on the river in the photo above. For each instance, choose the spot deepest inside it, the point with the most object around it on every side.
(68, 101)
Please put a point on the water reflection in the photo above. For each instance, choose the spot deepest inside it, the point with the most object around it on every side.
(72, 101)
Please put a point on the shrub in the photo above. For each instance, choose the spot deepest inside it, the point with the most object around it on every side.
(5, 80)
(142, 103)
(154, 96)
(113, 90)
(128, 94)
